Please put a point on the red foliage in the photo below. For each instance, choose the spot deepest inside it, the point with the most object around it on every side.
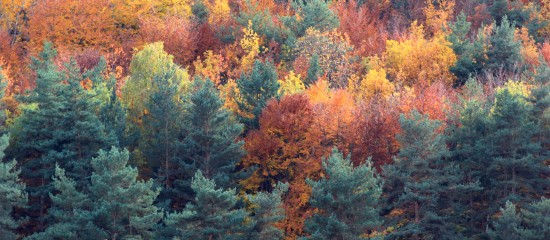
(285, 150)
(180, 37)
(365, 25)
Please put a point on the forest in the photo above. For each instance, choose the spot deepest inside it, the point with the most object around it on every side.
(274, 119)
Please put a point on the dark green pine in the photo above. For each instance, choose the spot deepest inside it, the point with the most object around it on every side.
(12, 193)
(256, 88)
(346, 200)
(58, 125)
(213, 214)
(212, 143)
(423, 183)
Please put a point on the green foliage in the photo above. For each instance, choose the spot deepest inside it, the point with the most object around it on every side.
(70, 214)
(266, 209)
(61, 128)
(314, 71)
(211, 144)
(262, 22)
(346, 200)
(504, 51)
(112, 115)
(532, 223)
(213, 215)
(256, 88)
(117, 205)
(421, 180)
(12, 193)
(162, 125)
(123, 205)
(311, 14)
(145, 65)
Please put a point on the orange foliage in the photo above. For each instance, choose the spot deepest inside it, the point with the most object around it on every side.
(213, 66)
(333, 116)
(284, 149)
(73, 24)
(178, 34)
(364, 25)
(437, 17)
(545, 51)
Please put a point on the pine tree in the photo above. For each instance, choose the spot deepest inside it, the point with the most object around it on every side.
(311, 14)
(514, 162)
(123, 205)
(504, 51)
(33, 143)
(3, 116)
(84, 134)
(213, 215)
(537, 218)
(256, 88)
(12, 193)
(70, 213)
(162, 129)
(346, 200)
(212, 143)
(531, 223)
(508, 226)
(423, 183)
(462, 46)
(113, 116)
(266, 210)
(314, 71)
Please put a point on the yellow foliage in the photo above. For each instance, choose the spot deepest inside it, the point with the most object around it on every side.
(529, 49)
(212, 66)
(375, 84)
(437, 18)
(515, 88)
(11, 12)
(229, 92)
(420, 59)
(218, 11)
(292, 84)
(319, 92)
(128, 12)
(250, 43)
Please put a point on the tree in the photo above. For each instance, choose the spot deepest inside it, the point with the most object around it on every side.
(292, 84)
(283, 149)
(266, 210)
(212, 215)
(162, 129)
(508, 226)
(122, 204)
(58, 125)
(211, 143)
(73, 25)
(255, 89)
(112, 115)
(418, 59)
(116, 206)
(530, 223)
(145, 65)
(314, 71)
(346, 200)
(310, 14)
(422, 183)
(515, 158)
(70, 213)
(12, 193)
(505, 51)
(334, 54)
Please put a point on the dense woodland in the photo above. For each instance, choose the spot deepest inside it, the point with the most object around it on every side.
(274, 119)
